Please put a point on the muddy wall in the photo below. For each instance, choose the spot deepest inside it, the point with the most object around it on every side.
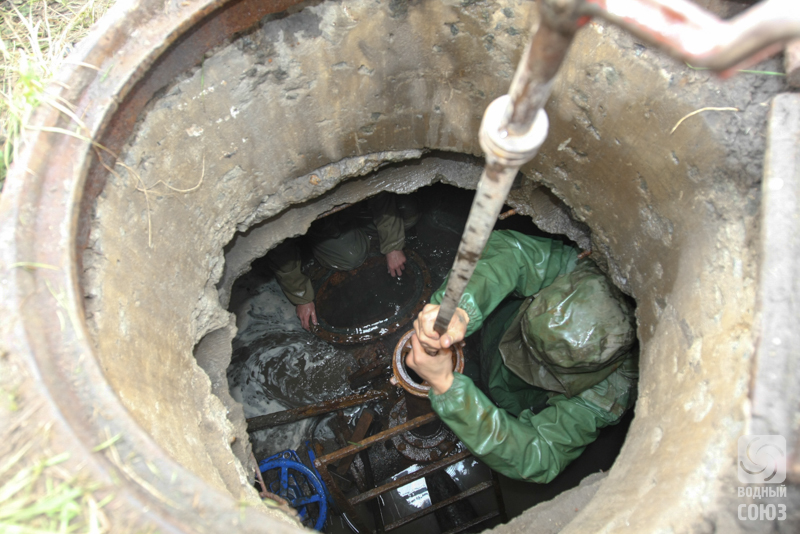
(285, 113)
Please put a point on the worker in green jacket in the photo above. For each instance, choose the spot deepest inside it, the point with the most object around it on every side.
(340, 243)
(558, 356)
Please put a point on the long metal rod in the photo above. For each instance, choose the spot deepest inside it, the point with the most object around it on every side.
(439, 505)
(340, 498)
(536, 71)
(689, 33)
(348, 505)
(411, 477)
(530, 89)
(677, 26)
(312, 410)
(322, 461)
(492, 191)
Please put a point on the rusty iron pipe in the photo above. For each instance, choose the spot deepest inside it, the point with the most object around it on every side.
(691, 34)
(411, 477)
(442, 504)
(513, 128)
(372, 440)
(505, 215)
(359, 433)
(304, 412)
(543, 56)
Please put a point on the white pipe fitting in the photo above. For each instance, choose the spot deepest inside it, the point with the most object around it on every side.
(498, 143)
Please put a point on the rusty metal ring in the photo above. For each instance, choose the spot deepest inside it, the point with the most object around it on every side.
(401, 375)
(420, 449)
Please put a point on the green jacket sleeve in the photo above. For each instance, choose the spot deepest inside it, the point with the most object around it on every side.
(533, 448)
(389, 222)
(511, 262)
(285, 262)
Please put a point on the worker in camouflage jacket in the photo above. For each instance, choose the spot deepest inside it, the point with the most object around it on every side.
(558, 356)
(340, 243)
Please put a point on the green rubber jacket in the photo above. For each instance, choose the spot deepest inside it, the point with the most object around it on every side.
(536, 432)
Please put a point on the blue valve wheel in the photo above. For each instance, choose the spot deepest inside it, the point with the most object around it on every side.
(286, 476)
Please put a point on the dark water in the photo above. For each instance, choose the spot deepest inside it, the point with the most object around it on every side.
(366, 296)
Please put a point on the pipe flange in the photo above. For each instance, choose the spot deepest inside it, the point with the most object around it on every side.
(420, 449)
(401, 376)
(498, 143)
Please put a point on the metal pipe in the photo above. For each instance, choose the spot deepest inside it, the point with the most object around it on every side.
(407, 479)
(543, 56)
(439, 505)
(359, 432)
(692, 34)
(296, 414)
(513, 128)
(507, 214)
(372, 440)
(677, 26)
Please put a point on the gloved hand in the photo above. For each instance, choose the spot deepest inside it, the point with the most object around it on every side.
(396, 262)
(306, 313)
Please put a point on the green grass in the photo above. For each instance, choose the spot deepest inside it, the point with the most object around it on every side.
(36, 37)
(37, 499)
(745, 71)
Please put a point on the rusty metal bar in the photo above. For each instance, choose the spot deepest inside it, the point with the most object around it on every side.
(370, 371)
(505, 215)
(402, 481)
(533, 79)
(335, 456)
(513, 128)
(472, 523)
(692, 34)
(312, 410)
(322, 464)
(439, 505)
(348, 505)
(341, 499)
(360, 431)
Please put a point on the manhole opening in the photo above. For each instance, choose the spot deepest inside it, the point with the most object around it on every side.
(277, 365)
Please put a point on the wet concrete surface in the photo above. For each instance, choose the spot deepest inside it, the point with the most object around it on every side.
(277, 365)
